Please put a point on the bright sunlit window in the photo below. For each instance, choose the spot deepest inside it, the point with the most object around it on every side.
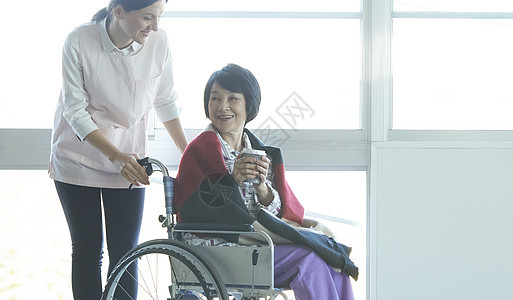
(452, 64)
(31, 62)
(306, 55)
(32, 218)
(337, 199)
(325, 70)
(309, 50)
(454, 5)
(294, 64)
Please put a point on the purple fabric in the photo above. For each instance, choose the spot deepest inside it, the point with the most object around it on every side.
(308, 275)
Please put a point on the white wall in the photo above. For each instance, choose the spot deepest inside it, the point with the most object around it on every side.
(441, 224)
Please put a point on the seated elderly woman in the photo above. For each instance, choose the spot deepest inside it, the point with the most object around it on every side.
(216, 183)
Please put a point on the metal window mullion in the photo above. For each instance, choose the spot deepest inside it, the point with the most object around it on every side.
(366, 68)
(381, 70)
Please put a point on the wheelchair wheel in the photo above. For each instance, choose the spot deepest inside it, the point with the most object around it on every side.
(166, 270)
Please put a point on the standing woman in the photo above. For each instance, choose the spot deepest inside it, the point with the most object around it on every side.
(115, 69)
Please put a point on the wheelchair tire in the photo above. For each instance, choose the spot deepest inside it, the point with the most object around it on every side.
(164, 269)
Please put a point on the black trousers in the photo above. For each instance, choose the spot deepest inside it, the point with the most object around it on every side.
(123, 211)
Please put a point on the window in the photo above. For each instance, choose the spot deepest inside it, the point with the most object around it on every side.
(338, 200)
(263, 6)
(34, 217)
(293, 62)
(451, 63)
(306, 55)
(453, 5)
(31, 59)
(36, 252)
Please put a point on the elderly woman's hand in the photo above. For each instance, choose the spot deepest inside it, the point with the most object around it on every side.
(246, 167)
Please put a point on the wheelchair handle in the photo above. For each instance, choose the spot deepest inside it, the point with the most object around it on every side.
(148, 163)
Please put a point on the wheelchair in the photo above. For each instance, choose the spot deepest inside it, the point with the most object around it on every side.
(171, 269)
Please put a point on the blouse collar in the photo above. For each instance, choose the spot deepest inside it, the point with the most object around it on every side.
(109, 46)
(228, 151)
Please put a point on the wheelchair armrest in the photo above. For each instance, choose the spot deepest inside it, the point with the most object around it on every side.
(214, 227)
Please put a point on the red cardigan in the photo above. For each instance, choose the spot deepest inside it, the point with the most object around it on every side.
(203, 157)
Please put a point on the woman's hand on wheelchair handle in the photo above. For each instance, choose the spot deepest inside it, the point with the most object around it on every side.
(131, 170)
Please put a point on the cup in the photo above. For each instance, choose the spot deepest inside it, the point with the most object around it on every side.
(257, 154)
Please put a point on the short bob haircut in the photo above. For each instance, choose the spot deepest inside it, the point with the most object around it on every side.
(236, 79)
(128, 5)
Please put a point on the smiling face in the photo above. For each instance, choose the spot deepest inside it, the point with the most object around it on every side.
(136, 25)
(227, 111)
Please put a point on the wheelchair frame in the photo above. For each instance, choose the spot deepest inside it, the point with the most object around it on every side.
(194, 272)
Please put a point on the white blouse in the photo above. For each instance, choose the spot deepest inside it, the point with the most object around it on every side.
(111, 90)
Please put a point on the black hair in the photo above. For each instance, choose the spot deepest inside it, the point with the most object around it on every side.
(236, 79)
(128, 5)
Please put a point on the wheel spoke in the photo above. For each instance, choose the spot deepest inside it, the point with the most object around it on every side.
(182, 275)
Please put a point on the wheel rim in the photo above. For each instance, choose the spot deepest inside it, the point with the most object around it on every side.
(163, 272)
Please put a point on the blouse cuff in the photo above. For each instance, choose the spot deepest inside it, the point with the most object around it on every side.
(83, 127)
(275, 206)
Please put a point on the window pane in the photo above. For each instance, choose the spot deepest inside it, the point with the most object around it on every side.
(34, 217)
(452, 74)
(288, 46)
(454, 5)
(309, 69)
(31, 64)
(265, 5)
(36, 247)
(337, 199)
